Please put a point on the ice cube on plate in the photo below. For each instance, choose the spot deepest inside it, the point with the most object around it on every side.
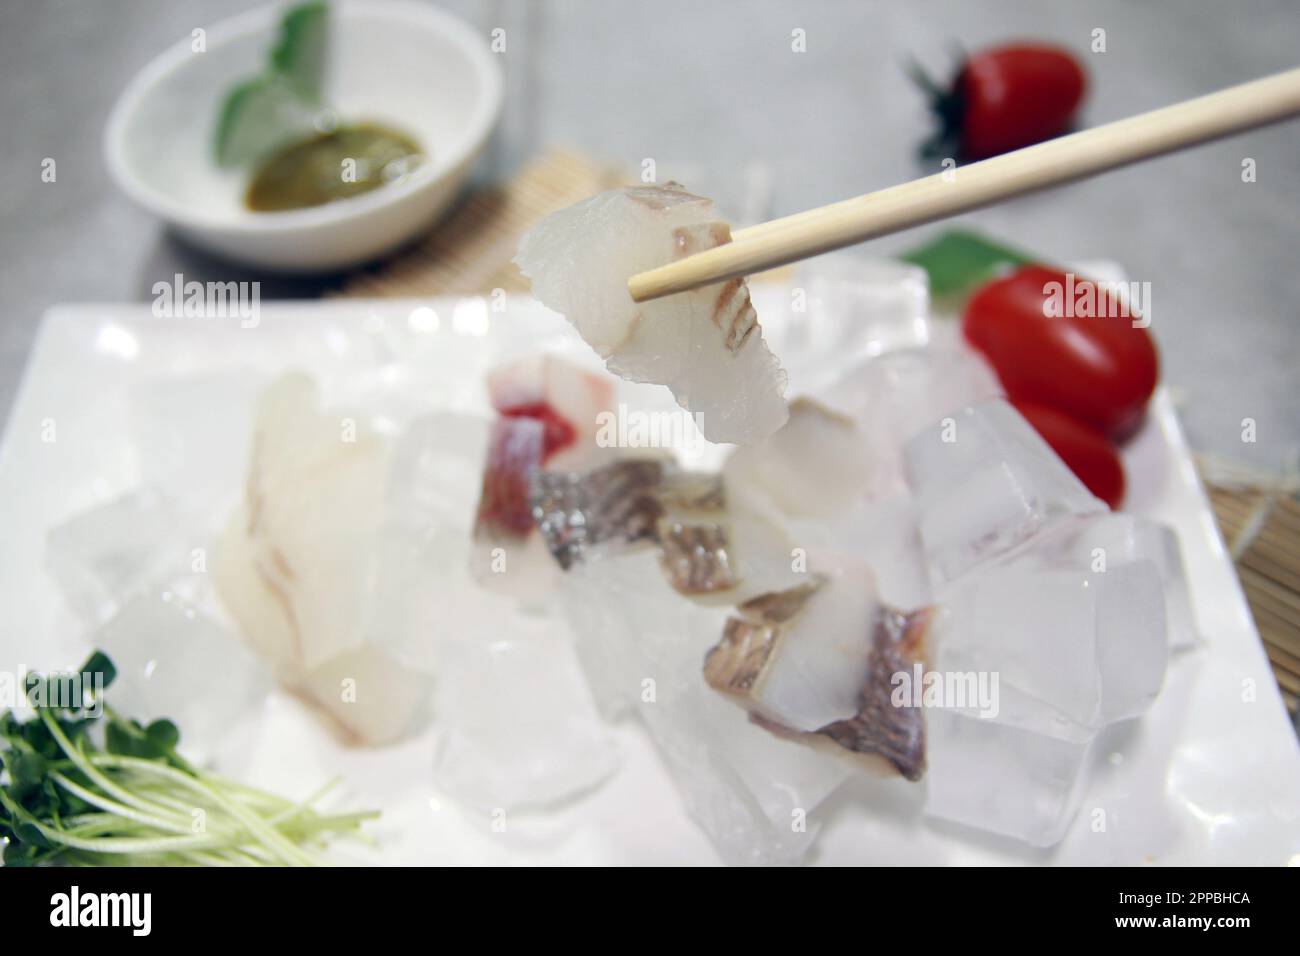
(864, 307)
(1090, 645)
(101, 557)
(1112, 539)
(189, 433)
(642, 648)
(437, 471)
(985, 482)
(1021, 773)
(175, 661)
(882, 533)
(895, 395)
(816, 464)
(517, 728)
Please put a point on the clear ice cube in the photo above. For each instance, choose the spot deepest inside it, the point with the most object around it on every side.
(853, 309)
(421, 587)
(986, 482)
(1090, 645)
(101, 557)
(516, 724)
(1110, 539)
(894, 396)
(174, 660)
(1020, 773)
(191, 433)
(642, 647)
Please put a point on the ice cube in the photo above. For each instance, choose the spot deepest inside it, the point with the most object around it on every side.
(1089, 644)
(986, 482)
(101, 557)
(816, 465)
(852, 309)
(1102, 541)
(883, 533)
(516, 724)
(1020, 773)
(190, 433)
(642, 647)
(437, 471)
(896, 395)
(422, 550)
(175, 661)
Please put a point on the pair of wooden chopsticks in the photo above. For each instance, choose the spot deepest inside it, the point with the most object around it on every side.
(1056, 161)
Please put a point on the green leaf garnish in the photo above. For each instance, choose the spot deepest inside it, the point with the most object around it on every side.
(959, 260)
(299, 54)
(89, 786)
(264, 112)
(98, 663)
(260, 116)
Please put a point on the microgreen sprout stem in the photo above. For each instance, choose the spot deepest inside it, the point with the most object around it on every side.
(84, 785)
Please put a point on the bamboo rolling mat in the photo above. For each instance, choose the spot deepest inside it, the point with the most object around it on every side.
(470, 252)
(1262, 530)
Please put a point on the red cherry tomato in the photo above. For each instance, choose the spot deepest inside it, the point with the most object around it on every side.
(1092, 363)
(1086, 451)
(1015, 96)
(1005, 98)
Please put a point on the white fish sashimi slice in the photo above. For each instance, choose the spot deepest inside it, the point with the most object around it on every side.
(289, 562)
(705, 345)
(575, 397)
(296, 563)
(816, 663)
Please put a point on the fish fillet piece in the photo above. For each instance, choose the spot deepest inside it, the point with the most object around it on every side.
(708, 550)
(295, 565)
(289, 561)
(705, 345)
(815, 662)
(565, 398)
(621, 503)
(516, 447)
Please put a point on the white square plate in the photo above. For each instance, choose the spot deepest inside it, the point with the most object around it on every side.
(1210, 775)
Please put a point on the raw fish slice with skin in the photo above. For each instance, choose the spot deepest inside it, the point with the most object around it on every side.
(508, 556)
(705, 345)
(516, 447)
(710, 549)
(816, 663)
(549, 411)
(641, 644)
(567, 399)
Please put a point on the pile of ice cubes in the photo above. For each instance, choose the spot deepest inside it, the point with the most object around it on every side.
(515, 724)
(1075, 609)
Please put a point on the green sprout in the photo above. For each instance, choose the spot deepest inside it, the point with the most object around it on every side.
(83, 785)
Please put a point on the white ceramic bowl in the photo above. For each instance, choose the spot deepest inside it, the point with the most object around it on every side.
(397, 62)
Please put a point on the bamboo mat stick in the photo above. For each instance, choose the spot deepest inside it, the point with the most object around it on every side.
(1052, 163)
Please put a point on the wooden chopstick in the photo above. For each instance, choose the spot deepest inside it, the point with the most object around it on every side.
(1056, 161)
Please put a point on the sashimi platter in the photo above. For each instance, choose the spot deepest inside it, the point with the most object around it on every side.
(793, 570)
